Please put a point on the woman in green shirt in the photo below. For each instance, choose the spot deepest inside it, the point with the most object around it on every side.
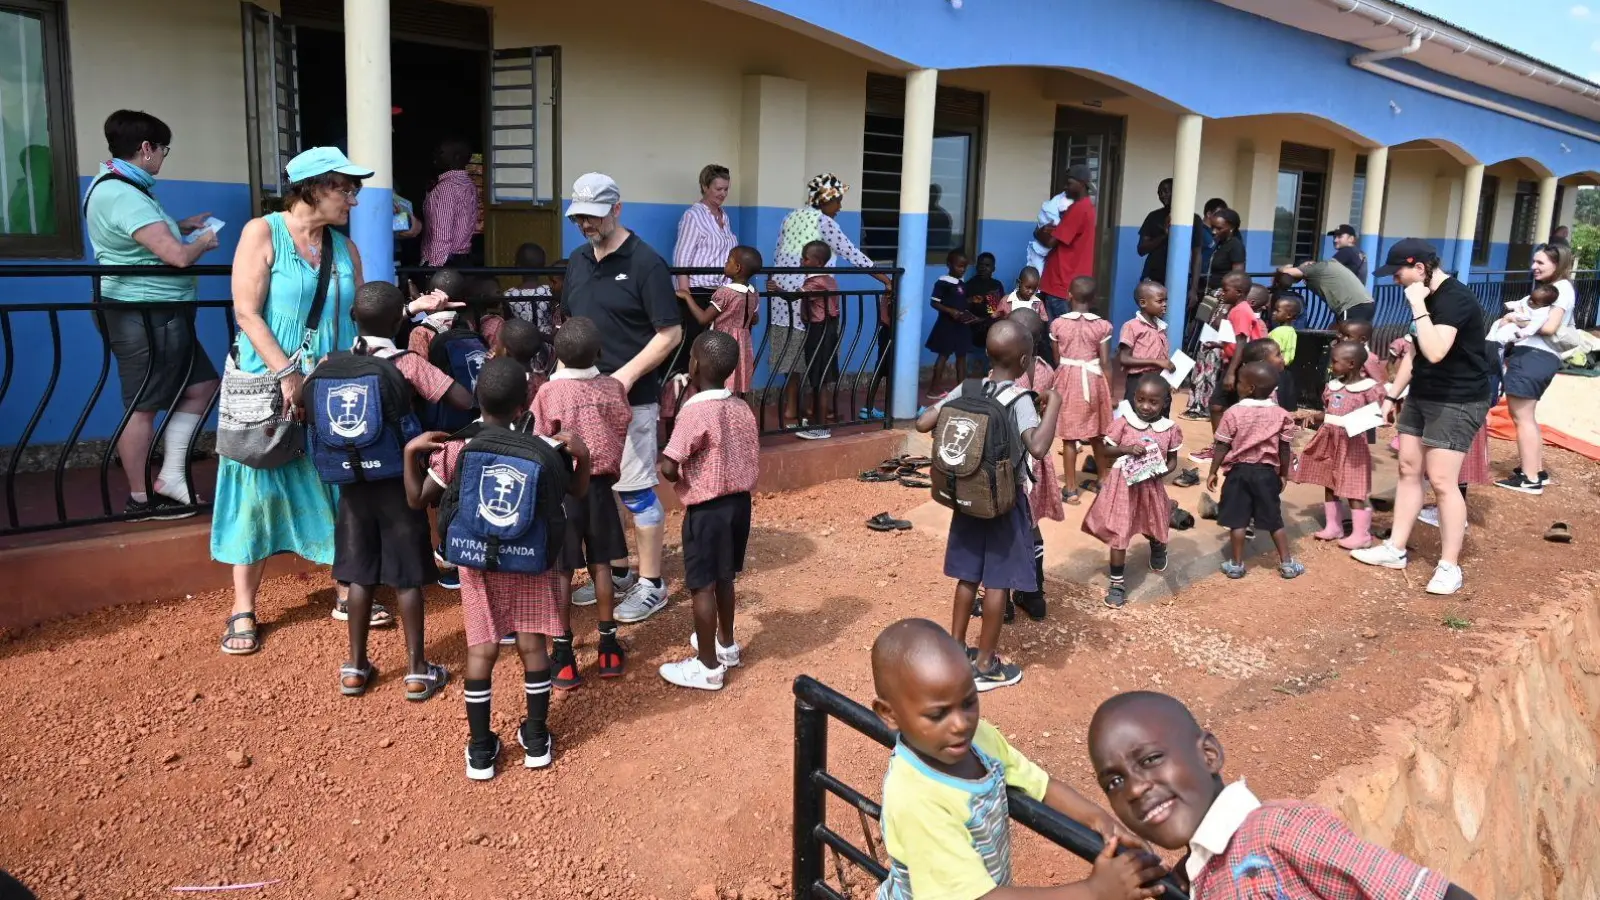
(159, 360)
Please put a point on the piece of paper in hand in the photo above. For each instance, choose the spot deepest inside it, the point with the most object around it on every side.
(213, 225)
(1182, 366)
(1209, 335)
(1362, 420)
(1226, 333)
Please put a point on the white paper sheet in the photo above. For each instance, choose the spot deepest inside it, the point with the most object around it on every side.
(1362, 420)
(213, 224)
(1182, 366)
(1209, 335)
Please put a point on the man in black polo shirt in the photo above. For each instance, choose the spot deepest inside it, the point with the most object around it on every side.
(1346, 251)
(621, 283)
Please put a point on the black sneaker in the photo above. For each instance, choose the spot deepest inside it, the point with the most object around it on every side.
(1521, 483)
(999, 674)
(1187, 478)
(1117, 596)
(450, 579)
(977, 608)
(156, 509)
(613, 659)
(481, 760)
(1158, 557)
(537, 749)
(564, 665)
(1032, 603)
(1544, 478)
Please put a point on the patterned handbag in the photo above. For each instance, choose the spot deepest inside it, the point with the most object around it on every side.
(253, 428)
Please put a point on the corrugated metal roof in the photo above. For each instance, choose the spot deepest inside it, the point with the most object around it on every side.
(1491, 42)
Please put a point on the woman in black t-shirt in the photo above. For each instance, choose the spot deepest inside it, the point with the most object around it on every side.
(1229, 253)
(1448, 377)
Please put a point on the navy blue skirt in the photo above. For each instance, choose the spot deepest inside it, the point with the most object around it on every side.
(950, 337)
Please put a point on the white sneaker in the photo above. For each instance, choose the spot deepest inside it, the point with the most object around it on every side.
(691, 673)
(584, 596)
(1380, 555)
(1429, 516)
(814, 434)
(728, 656)
(642, 601)
(1446, 579)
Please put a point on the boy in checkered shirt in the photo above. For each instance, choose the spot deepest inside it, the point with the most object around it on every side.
(521, 341)
(712, 460)
(581, 401)
(1162, 776)
(1252, 447)
(494, 604)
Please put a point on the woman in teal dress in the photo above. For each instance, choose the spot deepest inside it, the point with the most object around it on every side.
(263, 512)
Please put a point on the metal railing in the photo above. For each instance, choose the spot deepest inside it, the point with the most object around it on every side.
(59, 430)
(815, 703)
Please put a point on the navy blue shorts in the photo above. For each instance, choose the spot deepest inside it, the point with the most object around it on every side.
(996, 553)
(1529, 372)
(1251, 493)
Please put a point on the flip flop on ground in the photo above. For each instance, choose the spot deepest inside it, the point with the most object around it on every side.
(885, 522)
(1559, 533)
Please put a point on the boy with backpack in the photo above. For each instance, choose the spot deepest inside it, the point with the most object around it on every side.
(500, 491)
(360, 413)
(448, 339)
(985, 432)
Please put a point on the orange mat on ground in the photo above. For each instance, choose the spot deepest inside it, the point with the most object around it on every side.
(1502, 428)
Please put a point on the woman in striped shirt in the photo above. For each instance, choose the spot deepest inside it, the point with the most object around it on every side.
(705, 237)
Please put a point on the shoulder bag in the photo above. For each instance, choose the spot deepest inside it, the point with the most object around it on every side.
(253, 425)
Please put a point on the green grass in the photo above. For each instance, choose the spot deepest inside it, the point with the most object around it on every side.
(1456, 622)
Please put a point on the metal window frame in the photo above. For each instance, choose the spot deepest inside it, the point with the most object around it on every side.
(492, 184)
(284, 142)
(67, 242)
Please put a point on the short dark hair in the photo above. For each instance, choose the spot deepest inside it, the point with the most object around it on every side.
(310, 190)
(578, 343)
(1350, 347)
(453, 283)
(1229, 216)
(1236, 277)
(521, 339)
(453, 153)
(377, 308)
(1257, 350)
(954, 252)
(1294, 303)
(984, 255)
(813, 247)
(748, 258)
(128, 129)
(1151, 378)
(1028, 272)
(1083, 284)
(502, 387)
(1214, 204)
(711, 173)
(718, 353)
(530, 256)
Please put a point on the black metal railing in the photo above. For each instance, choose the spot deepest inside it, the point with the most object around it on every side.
(815, 703)
(58, 442)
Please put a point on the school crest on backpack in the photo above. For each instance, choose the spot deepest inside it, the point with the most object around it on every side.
(502, 511)
(501, 489)
(347, 410)
(977, 451)
(360, 411)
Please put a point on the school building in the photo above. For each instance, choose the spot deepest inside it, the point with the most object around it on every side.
(1301, 114)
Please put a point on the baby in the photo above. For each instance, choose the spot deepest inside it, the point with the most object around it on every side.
(1524, 317)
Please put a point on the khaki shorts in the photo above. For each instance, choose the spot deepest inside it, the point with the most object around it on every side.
(639, 452)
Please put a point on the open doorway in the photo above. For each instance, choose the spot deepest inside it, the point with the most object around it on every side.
(441, 92)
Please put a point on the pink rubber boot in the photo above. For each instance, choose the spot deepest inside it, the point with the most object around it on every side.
(1334, 530)
(1360, 529)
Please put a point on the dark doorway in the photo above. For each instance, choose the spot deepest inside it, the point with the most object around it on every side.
(1094, 140)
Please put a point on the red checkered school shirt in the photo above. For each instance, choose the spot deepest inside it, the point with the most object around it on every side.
(717, 447)
(1244, 849)
(590, 405)
(428, 380)
(1146, 341)
(815, 305)
(1252, 430)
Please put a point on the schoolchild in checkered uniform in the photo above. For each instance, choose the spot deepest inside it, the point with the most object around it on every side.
(1336, 460)
(1252, 448)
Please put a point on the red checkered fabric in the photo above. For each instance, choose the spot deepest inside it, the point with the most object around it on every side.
(1085, 396)
(717, 447)
(1122, 512)
(498, 603)
(821, 309)
(449, 217)
(420, 340)
(595, 409)
(1295, 851)
(733, 318)
(1475, 466)
(536, 380)
(489, 328)
(429, 381)
(1334, 459)
(1375, 369)
(1252, 430)
(1145, 341)
(1044, 496)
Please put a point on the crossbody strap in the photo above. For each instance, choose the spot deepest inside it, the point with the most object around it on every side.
(324, 276)
(113, 176)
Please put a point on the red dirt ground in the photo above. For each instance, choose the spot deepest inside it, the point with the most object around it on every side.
(138, 758)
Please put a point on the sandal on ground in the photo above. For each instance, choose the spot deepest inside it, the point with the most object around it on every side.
(368, 674)
(1071, 498)
(240, 634)
(917, 461)
(885, 522)
(432, 681)
(379, 618)
(915, 481)
(877, 476)
(1559, 533)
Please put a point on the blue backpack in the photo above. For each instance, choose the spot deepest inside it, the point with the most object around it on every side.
(502, 511)
(460, 353)
(359, 412)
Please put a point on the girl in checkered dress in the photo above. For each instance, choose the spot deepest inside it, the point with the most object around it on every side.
(1083, 341)
(1337, 460)
(733, 311)
(1144, 445)
(498, 603)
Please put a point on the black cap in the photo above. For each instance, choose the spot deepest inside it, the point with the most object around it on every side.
(1342, 230)
(1081, 174)
(1408, 252)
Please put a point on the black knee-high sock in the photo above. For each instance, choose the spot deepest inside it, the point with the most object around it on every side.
(1038, 561)
(537, 686)
(478, 694)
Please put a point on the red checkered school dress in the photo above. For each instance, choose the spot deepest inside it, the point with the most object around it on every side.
(1375, 368)
(1122, 511)
(1044, 498)
(1085, 393)
(1475, 467)
(732, 302)
(1338, 461)
(498, 603)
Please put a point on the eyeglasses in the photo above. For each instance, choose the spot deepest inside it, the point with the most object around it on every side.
(164, 149)
(349, 192)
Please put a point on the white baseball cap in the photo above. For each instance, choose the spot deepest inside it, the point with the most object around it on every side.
(593, 195)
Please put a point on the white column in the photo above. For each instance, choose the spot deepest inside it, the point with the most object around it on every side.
(1467, 224)
(1547, 210)
(1372, 209)
(916, 167)
(1180, 237)
(367, 110)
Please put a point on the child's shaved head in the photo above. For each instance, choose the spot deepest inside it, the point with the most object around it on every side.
(1008, 342)
(923, 681)
(907, 648)
(1030, 320)
(1355, 330)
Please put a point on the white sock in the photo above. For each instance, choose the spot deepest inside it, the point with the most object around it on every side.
(174, 455)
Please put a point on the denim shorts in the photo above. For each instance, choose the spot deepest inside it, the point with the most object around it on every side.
(1443, 426)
